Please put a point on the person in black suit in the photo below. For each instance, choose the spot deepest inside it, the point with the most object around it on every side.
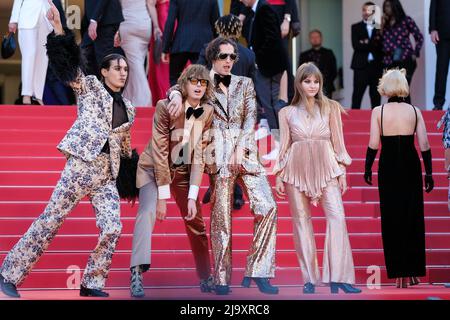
(195, 19)
(323, 58)
(287, 15)
(100, 23)
(271, 60)
(288, 19)
(440, 35)
(230, 27)
(367, 58)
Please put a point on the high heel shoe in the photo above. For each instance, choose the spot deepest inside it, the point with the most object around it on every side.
(413, 281)
(309, 288)
(346, 287)
(222, 290)
(402, 283)
(263, 285)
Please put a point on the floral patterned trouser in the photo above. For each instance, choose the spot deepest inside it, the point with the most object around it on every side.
(78, 179)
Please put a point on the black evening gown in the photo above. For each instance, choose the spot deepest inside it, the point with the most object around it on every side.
(401, 204)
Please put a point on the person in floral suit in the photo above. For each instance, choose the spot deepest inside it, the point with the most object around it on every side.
(93, 146)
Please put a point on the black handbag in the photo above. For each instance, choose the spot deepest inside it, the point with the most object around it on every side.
(157, 50)
(126, 180)
(8, 45)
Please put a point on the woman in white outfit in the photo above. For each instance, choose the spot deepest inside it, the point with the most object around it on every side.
(135, 33)
(29, 17)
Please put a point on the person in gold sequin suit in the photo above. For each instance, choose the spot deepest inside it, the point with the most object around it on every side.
(232, 156)
(311, 169)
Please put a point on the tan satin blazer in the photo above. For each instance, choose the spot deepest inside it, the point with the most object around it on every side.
(163, 150)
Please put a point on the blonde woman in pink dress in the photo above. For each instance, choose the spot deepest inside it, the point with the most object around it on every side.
(311, 168)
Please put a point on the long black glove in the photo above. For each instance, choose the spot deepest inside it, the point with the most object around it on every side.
(427, 162)
(370, 158)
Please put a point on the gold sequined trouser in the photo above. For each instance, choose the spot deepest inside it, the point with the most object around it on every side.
(261, 256)
(78, 179)
(337, 257)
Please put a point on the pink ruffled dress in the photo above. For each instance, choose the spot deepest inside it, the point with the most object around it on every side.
(312, 149)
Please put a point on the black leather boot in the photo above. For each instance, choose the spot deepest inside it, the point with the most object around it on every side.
(8, 288)
(85, 292)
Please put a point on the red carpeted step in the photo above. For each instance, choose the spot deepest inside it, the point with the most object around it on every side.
(20, 209)
(27, 133)
(49, 149)
(240, 241)
(183, 277)
(49, 135)
(50, 178)
(184, 259)
(10, 226)
(57, 163)
(365, 194)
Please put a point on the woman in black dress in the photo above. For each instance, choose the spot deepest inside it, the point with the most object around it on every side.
(400, 178)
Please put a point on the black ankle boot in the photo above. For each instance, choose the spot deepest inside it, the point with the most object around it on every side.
(346, 287)
(8, 288)
(85, 292)
(263, 285)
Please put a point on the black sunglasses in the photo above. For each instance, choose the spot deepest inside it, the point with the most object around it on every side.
(224, 56)
(195, 81)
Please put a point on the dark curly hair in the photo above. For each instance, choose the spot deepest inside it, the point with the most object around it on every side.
(213, 49)
(229, 26)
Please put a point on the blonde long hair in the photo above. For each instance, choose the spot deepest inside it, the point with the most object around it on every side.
(305, 71)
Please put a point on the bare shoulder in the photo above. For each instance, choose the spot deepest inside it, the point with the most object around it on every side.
(376, 109)
(376, 112)
(418, 110)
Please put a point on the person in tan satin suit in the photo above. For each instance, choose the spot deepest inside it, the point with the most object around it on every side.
(233, 156)
(173, 163)
(311, 169)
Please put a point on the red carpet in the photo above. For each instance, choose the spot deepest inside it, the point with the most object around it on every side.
(30, 167)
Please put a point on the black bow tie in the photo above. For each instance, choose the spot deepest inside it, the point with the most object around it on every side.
(222, 79)
(196, 112)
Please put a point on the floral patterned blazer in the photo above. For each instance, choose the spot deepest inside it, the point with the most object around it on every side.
(93, 125)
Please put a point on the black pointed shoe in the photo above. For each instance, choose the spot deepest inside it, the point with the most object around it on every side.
(207, 285)
(8, 288)
(85, 292)
(263, 285)
(309, 288)
(222, 290)
(347, 288)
